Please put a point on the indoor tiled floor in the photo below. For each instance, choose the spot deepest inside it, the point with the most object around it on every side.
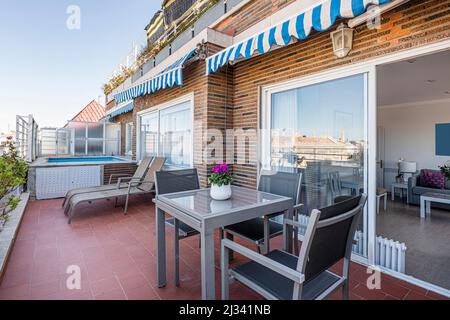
(427, 240)
(116, 255)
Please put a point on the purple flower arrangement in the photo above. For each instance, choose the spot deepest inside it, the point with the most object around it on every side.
(221, 175)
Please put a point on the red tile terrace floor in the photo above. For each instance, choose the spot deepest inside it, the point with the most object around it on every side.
(116, 254)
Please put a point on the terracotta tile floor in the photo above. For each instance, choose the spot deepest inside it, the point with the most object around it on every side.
(116, 255)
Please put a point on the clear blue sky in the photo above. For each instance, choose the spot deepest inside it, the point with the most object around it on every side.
(50, 71)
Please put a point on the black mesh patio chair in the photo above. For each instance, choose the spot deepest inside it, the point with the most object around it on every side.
(171, 182)
(257, 230)
(282, 276)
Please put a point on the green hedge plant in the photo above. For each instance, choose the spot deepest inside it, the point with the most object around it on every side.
(13, 174)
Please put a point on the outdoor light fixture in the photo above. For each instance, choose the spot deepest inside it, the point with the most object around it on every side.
(342, 40)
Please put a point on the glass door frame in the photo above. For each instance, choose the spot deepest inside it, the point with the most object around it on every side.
(369, 135)
(157, 110)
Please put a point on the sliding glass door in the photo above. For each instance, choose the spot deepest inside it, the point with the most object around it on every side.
(320, 130)
(167, 132)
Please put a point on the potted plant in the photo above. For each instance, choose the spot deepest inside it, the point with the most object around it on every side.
(13, 173)
(220, 180)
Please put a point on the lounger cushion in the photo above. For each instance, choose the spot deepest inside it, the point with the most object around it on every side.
(280, 286)
(254, 229)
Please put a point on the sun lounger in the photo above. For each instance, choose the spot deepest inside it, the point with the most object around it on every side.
(139, 174)
(134, 186)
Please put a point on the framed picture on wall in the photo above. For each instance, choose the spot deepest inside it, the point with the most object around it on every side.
(443, 139)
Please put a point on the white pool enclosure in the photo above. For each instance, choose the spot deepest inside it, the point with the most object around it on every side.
(81, 139)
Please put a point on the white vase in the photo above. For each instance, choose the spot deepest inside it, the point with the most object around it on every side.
(221, 193)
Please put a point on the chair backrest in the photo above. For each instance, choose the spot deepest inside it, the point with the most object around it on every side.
(176, 181)
(149, 178)
(329, 236)
(285, 184)
(143, 167)
(334, 179)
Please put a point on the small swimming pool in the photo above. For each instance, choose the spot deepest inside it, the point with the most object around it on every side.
(86, 159)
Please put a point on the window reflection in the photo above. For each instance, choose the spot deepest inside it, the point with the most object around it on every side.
(320, 131)
(168, 133)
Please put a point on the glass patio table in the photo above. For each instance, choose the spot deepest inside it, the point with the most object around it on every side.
(198, 210)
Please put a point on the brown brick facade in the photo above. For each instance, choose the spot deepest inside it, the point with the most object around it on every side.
(194, 82)
(414, 24)
(230, 98)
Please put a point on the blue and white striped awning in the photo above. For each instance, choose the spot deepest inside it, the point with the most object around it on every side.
(168, 78)
(319, 18)
(126, 107)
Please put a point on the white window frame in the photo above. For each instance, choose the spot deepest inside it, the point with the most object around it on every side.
(341, 72)
(129, 137)
(265, 124)
(157, 109)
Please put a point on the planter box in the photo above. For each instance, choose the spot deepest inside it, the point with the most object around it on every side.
(9, 232)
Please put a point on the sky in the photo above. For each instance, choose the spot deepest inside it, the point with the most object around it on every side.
(49, 67)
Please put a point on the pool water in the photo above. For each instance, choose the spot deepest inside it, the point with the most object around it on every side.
(90, 159)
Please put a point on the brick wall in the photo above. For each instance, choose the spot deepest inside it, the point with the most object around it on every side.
(414, 24)
(125, 169)
(195, 82)
(229, 98)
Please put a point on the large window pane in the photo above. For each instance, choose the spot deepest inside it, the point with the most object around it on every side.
(168, 133)
(176, 135)
(149, 135)
(319, 130)
(129, 138)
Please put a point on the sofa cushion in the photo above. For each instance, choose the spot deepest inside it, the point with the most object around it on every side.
(432, 179)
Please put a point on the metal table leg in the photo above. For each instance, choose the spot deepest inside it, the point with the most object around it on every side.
(266, 235)
(208, 265)
(177, 252)
(161, 247)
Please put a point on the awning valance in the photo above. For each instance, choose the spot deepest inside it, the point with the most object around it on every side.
(319, 18)
(121, 109)
(168, 78)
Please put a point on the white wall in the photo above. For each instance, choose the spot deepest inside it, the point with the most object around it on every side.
(410, 133)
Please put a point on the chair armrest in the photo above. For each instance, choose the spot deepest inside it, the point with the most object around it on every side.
(137, 184)
(117, 175)
(128, 181)
(279, 268)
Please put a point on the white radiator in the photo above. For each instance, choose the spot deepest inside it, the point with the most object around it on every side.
(52, 183)
(389, 253)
